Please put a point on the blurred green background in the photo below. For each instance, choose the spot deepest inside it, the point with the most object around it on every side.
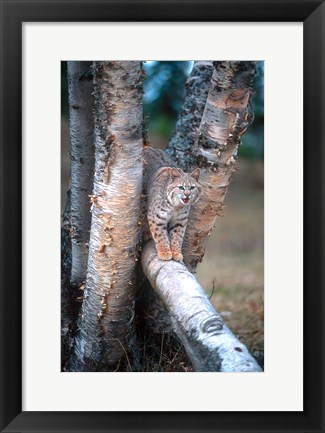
(164, 94)
(232, 271)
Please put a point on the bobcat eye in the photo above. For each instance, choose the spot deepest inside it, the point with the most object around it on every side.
(181, 187)
(192, 187)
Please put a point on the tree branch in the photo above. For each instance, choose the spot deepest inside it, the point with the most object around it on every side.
(224, 120)
(209, 343)
(181, 146)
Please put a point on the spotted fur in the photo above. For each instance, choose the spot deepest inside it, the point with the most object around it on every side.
(171, 194)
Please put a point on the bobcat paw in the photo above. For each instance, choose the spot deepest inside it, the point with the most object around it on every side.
(178, 257)
(165, 255)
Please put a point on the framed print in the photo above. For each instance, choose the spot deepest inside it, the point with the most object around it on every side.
(287, 37)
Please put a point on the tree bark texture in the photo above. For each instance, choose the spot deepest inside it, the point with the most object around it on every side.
(209, 343)
(224, 120)
(182, 144)
(106, 323)
(67, 292)
(81, 108)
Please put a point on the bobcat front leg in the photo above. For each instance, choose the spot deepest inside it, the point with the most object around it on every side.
(177, 233)
(160, 236)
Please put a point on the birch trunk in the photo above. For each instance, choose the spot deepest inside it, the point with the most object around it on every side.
(209, 343)
(181, 146)
(106, 323)
(81, 107)
(224, 120)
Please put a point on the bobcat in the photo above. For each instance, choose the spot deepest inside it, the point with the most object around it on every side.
(170, 194)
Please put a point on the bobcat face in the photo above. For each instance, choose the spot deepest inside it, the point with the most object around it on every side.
(184, 188)
(186, 191)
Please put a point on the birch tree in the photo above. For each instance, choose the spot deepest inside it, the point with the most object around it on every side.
(224, 120)
(207, 134)
(182, 142)
(81, 107)
(106, 321)
(209, 343)
(77, 216)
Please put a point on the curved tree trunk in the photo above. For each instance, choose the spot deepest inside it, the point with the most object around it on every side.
(181, 146)
(209, 343)
(106, 323)
(81, 120)
(224, 120)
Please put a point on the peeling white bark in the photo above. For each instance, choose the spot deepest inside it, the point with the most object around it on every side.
(106, 325)
(224, 120)
(209, 343)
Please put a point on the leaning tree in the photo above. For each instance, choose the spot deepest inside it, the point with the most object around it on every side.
(113, 283)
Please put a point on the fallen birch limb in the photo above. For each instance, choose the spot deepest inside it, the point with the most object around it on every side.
(209, 343)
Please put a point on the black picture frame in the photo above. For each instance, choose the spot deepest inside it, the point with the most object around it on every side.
(13, 14)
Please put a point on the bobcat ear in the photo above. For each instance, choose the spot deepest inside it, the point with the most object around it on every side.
(196, 174)
(163, 173)
(174, 173)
